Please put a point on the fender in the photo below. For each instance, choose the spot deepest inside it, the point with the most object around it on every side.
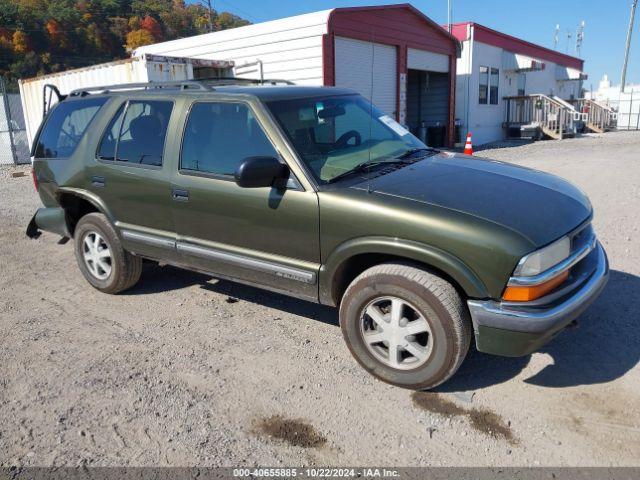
(90, 197)
(435, 257)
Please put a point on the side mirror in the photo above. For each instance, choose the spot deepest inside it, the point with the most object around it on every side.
(255, 172)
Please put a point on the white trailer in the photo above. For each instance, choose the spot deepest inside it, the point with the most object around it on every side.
(138, 69)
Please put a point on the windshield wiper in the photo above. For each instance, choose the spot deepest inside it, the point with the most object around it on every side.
(401, 159)
(412, 151)
(365, 166)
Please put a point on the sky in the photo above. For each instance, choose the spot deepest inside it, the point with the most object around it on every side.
(533, 20)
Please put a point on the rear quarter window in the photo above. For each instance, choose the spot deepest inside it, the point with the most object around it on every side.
(65, 127)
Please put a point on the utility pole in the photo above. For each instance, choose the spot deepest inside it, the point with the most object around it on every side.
(449, 15)
(210, 9)
(623, 80)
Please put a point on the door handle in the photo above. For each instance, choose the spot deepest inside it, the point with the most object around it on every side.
(180, 195)
(98, 181)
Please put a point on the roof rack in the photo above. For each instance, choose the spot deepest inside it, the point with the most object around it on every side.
(240, 81)
(202, 84)
(181, 85)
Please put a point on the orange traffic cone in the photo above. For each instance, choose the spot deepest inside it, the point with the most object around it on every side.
(468, 148)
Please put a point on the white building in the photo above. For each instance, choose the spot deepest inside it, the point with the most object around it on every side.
(392, 54)
(626, 104)
(494, 65)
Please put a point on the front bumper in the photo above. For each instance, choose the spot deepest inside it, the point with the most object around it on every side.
(514, 330)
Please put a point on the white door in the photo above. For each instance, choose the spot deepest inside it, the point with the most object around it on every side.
(358, 64)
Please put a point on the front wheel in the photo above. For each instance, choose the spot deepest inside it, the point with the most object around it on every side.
(100, 256)
(405, 326)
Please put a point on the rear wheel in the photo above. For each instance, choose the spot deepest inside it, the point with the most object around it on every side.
(406, 326)
(101, 258)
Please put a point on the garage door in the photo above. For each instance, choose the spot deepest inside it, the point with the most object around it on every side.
(423, 60)
(354, 62)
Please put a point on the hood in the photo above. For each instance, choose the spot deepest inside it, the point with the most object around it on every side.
(539, 206)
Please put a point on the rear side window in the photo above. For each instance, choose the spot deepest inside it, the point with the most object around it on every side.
(137, 132)
(65, 126)
(219, 136)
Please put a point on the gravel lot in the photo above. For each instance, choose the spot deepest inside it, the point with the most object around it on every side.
(188, 370)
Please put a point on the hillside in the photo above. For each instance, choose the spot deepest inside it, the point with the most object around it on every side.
(44, 36)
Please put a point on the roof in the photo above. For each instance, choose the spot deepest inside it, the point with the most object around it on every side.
(397, 6)
(313, 23)
(513, 44)
(307, 20)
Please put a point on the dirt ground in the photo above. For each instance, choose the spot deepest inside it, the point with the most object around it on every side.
(188, 370)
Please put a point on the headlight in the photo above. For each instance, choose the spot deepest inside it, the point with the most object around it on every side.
(543, 259)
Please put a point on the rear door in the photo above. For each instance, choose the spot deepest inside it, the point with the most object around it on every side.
(131, 175)
(263, 236)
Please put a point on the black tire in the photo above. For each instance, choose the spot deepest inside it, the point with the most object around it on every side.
(434, 298)
(125, 268)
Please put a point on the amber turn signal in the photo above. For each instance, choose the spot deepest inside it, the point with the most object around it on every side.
(526, 294)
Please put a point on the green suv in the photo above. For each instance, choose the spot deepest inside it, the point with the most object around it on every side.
(313, 192)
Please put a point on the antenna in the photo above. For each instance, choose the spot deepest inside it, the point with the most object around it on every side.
(580, 37)
(569, 35)
(373, 62)
(556, 37)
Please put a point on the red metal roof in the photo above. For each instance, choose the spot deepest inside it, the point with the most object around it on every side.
(516, 45)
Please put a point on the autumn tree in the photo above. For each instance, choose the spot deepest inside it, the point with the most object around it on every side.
(20, 42)
(138, 38)
(152, 26)
(44, 36)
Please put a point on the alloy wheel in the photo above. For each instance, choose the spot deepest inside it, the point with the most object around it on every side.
(396, 333)
(96, 255)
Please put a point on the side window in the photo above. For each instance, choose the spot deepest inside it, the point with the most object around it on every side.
(107, 148)
(483, 93)
(218, 136)
(65, 127)
(137, 132)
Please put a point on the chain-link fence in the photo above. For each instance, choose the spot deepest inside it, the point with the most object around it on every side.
(14, 146)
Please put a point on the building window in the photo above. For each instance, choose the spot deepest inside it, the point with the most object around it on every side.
(484, 85)
(522, 83)
(489, 81)
(493, 86)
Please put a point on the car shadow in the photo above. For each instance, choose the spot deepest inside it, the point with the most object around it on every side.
(157, 279)
(602, 347)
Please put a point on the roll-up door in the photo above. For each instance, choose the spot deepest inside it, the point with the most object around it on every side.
(355, 60)
(423, 60)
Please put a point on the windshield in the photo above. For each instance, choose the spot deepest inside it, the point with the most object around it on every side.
(334, 135)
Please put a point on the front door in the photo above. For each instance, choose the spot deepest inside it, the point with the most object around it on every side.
(263, 236)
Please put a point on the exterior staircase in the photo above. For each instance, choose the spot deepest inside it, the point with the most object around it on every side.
(598, 117)
(553, 118)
